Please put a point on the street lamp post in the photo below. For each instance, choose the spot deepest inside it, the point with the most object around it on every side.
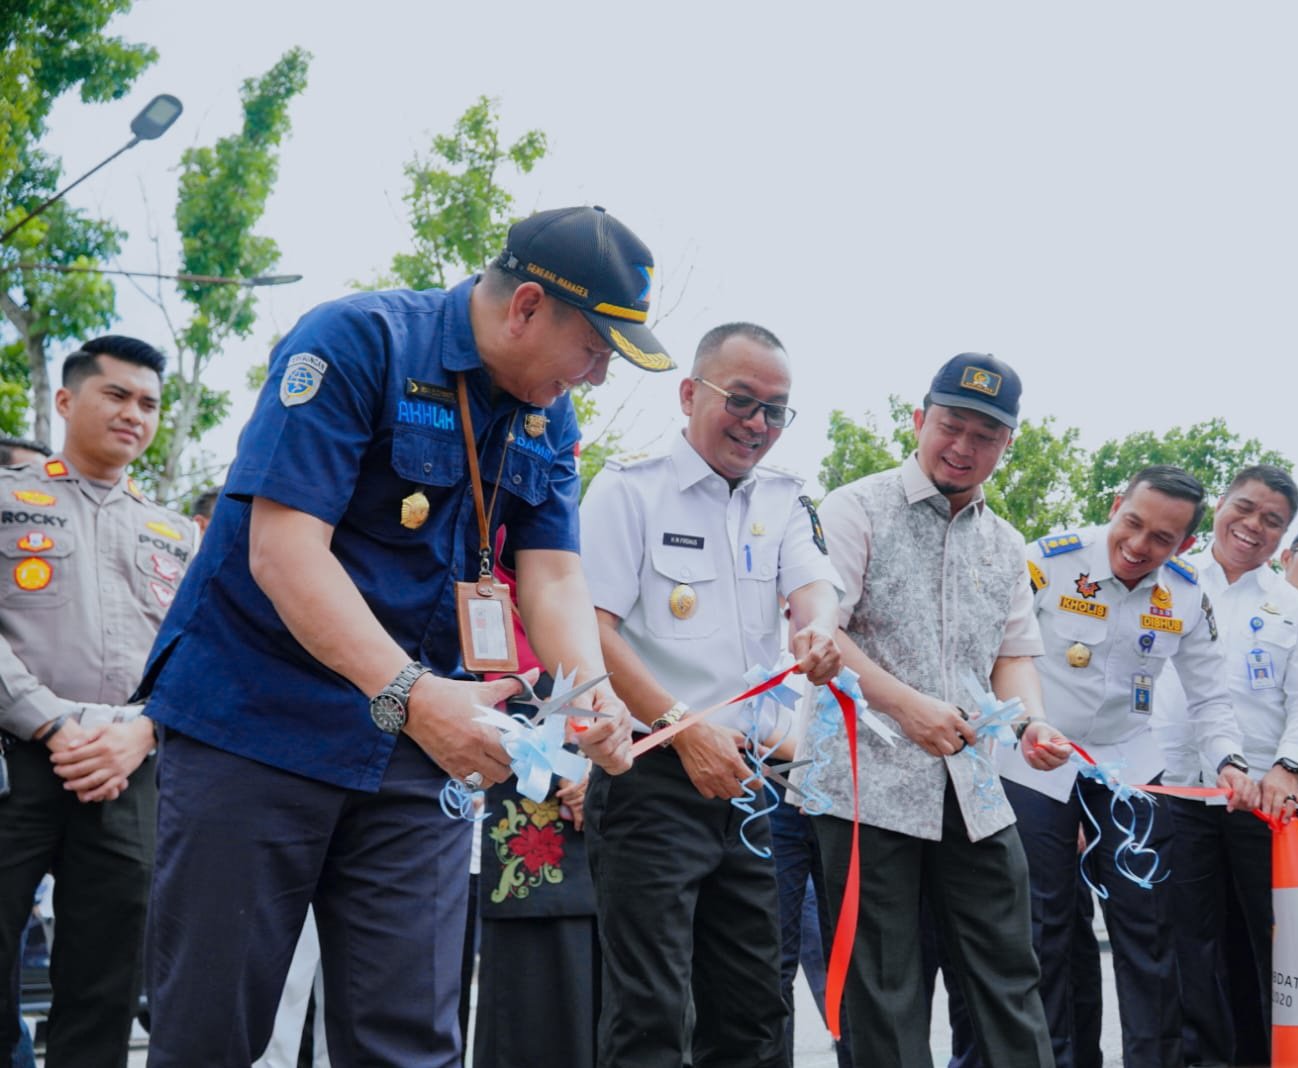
(201, 279)
(149, 124)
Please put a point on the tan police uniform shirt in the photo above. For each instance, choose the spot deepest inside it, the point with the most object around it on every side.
(695, 571)
(1105, 649)
(86, 575)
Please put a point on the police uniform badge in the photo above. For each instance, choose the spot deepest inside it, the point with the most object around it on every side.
(682, 601)
(534, 424)
(33, 574)
(817, 531)
(1086, 587)
(1079, 655)
(414, 510)
(1212, 620)
(302, 378)
(1037, 577)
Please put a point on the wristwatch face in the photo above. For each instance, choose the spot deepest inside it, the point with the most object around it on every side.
(388, 713)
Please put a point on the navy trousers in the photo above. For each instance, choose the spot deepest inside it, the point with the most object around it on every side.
(1138, 920)
(243, 848)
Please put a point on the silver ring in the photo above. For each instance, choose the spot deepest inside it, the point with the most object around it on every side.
(1291, 797)
(473, 780)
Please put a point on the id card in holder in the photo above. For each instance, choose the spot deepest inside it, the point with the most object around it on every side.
(1261, 670)
(486, 626)
(1142, 693)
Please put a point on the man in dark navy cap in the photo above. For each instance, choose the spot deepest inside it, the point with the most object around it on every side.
(935, 595)
(312, 675)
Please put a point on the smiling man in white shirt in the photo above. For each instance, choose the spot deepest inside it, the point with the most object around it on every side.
(1218, 854)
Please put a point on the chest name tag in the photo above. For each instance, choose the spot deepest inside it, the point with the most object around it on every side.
(1171, 626)
(683, 541)
(1261, 670)
(1084, 608)
(429, 392)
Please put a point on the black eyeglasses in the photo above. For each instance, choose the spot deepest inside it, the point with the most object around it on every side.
(745, 407)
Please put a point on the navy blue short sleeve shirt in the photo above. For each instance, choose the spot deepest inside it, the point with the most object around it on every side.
(358, 413)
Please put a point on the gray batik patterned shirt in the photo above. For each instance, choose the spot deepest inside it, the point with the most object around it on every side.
(927, 596)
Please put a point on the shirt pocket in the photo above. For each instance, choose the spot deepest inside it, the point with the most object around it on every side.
(675, 575)
(759, 571)
(426, 457)
(525, 476)
(1278, 640)
(1088, 630)
(36, 568)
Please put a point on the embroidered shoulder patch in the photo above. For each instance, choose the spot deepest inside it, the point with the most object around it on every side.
(1037, 577)
(817, 531)
(302, 378)
(1055, 544)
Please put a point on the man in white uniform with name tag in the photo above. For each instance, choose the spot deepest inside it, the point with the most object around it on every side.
(687, 554)
(1115, 605)
(1221, 861)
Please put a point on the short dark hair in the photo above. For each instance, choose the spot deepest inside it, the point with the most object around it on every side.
(719, 335)
(1173, 482)
(205, 502)
(82, 364)
(7, 446)
(1276, 479)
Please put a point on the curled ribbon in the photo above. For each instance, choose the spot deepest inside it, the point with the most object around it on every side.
(994, 720)
(536, 751)
(756, 752)
(457, 801)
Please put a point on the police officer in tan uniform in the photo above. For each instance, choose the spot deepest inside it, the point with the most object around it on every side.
(88, 568)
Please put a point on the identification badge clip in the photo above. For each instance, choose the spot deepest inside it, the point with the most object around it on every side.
(1261, 670)
(1142, 693)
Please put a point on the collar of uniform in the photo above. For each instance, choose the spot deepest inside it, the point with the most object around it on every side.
(459, 351)
(919, 487)
(692, 469)
(117, 489)
(1262, 578)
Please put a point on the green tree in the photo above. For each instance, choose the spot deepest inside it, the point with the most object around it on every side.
(459, 212)
(223, 193)
(49, 48)
(1210, 451)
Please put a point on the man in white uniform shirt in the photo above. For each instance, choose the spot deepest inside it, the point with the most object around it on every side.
(687, 554)
(1220, 856)
(1115, 606)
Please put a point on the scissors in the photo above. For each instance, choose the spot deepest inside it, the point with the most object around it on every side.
(558, 705)
(777, 772)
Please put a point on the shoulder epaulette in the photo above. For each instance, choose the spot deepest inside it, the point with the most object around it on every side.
(1057, 544)
(627, 459)
(1187, 571)
(780, 472)
(133, 488)
(56, 468)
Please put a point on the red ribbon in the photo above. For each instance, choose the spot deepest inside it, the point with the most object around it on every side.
(1186, 791)
(845, 931)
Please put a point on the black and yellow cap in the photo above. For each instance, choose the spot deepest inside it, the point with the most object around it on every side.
(586, 258)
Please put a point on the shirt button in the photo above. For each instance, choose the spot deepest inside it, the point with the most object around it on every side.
(517, 480)
(686, 572)
(427, 467)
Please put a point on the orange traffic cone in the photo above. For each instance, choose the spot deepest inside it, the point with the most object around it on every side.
(1284, 946)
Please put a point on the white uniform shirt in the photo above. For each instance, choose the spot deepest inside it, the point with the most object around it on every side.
(1125, 638)
(1257, 619)
(652, 525)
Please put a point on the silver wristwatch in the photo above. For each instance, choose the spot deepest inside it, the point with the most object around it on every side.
(388, 706)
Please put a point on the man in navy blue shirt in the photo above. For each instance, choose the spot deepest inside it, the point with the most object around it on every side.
(310, 675)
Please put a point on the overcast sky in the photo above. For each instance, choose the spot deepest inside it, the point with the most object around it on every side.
(1100, 194)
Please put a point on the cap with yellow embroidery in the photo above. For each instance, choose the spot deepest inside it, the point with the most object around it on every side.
(588, 259)
(979, 381)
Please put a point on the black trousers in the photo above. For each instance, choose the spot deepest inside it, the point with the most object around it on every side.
(683, 906)
(1220, 858)
(100, 855)
(978, 892)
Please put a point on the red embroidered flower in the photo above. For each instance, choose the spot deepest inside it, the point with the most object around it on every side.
(537, 846)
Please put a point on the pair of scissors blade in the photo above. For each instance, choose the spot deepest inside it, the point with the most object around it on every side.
(562, 705)
(775, 776)
(787, 766)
